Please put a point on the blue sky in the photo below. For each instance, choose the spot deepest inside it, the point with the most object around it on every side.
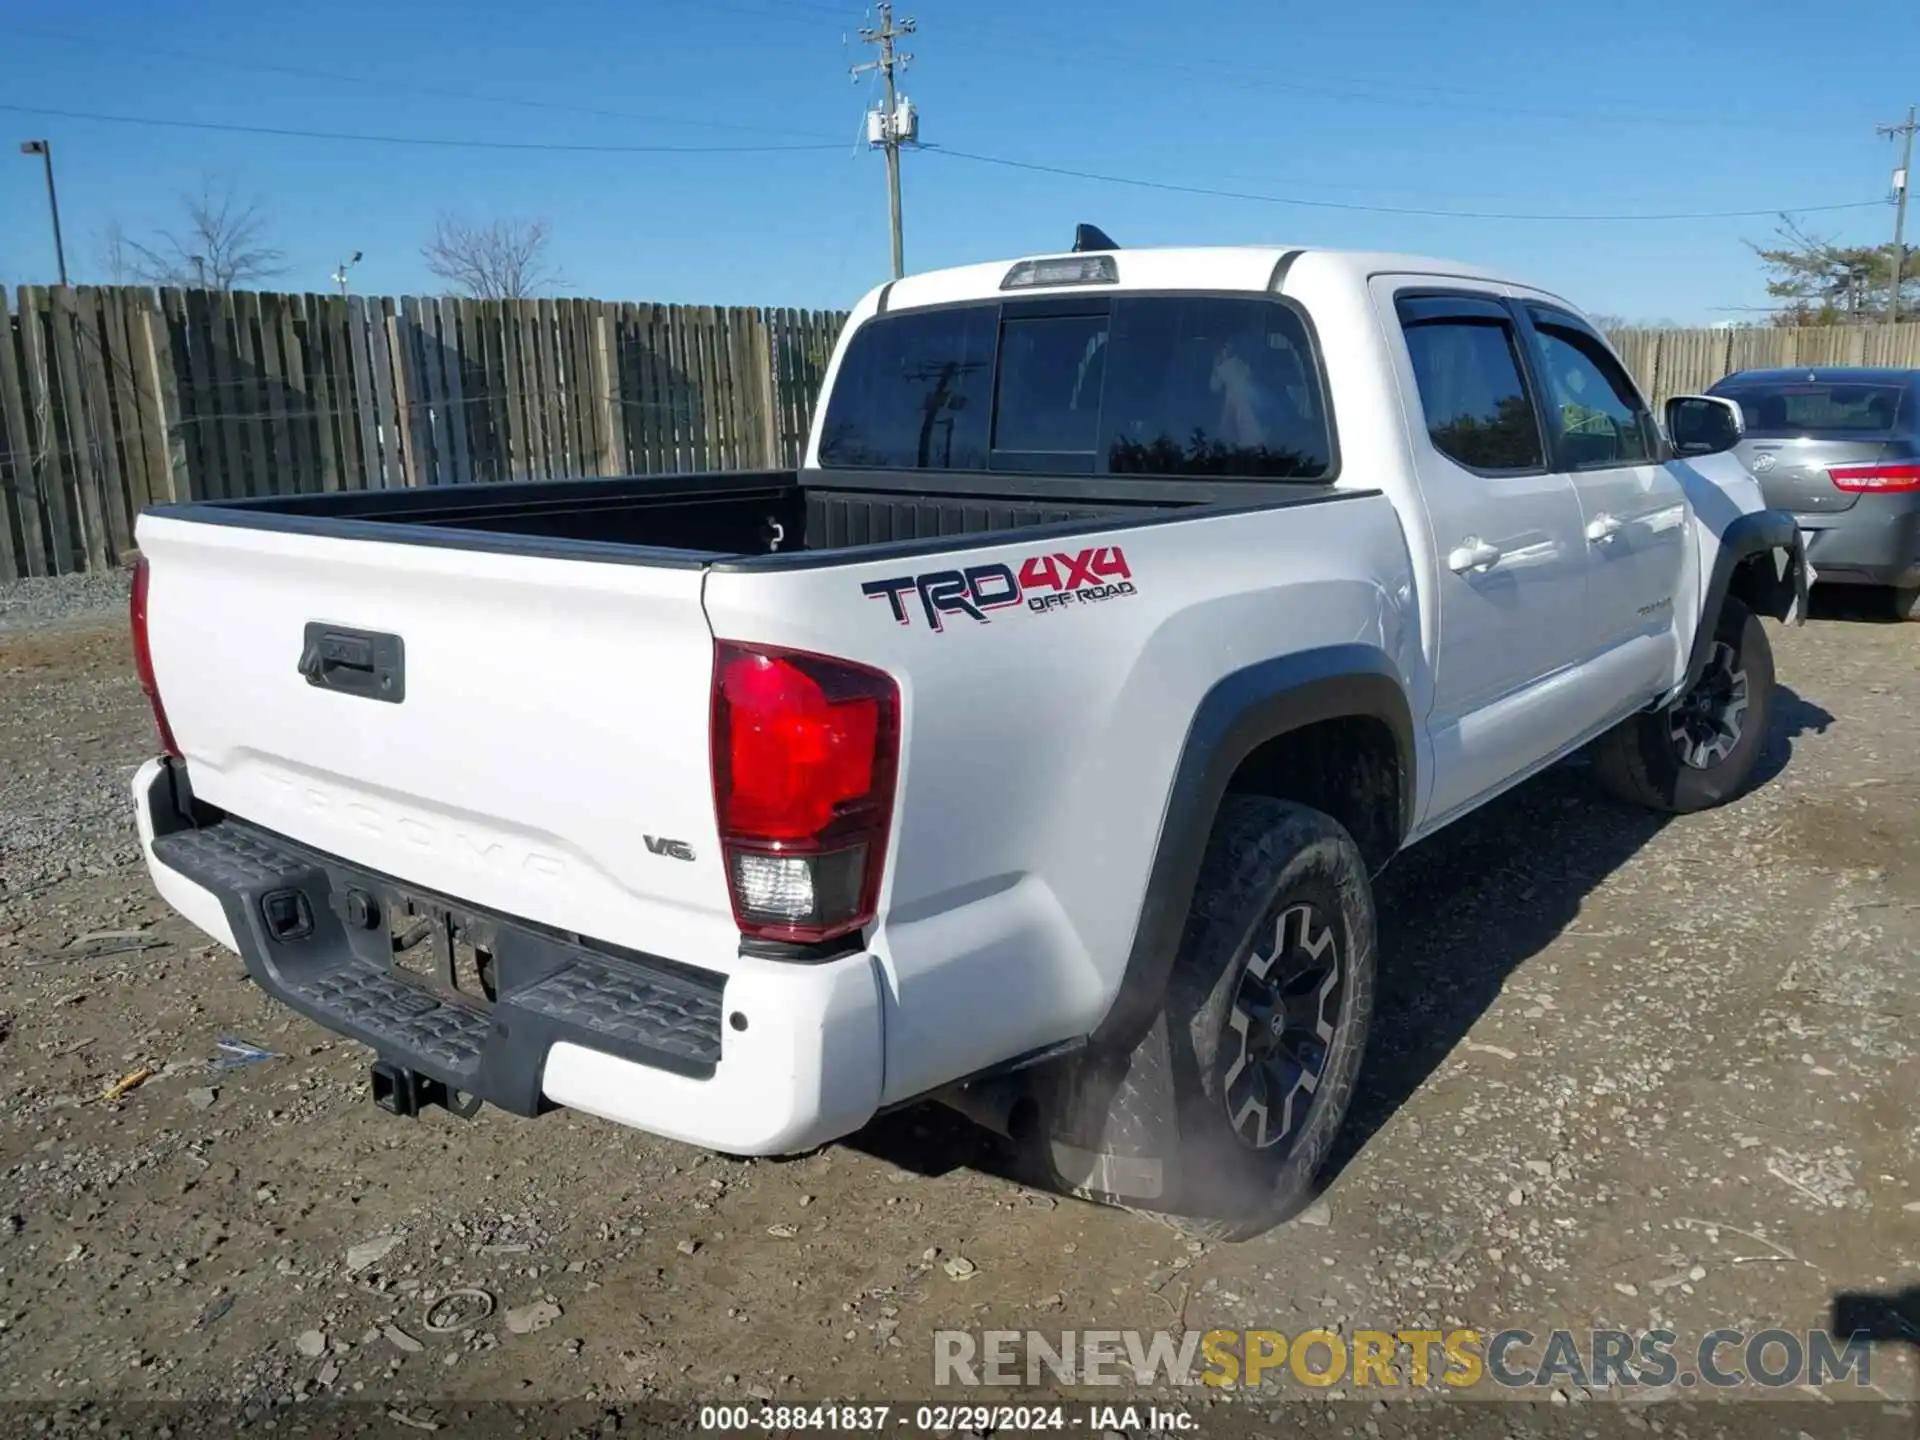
(1501, 106)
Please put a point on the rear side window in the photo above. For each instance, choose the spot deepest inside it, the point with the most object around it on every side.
(1473, 393)
(1809, 408)
(1217, 386)
(913, 393)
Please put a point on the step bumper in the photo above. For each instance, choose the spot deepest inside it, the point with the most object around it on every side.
(766, 1058)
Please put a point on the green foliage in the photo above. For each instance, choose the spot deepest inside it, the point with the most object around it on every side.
(1821, 283)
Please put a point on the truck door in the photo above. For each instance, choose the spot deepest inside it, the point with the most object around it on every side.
(1633, 511)
(1505, 531)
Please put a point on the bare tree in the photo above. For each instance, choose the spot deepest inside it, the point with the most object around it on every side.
(223, 243)
(503, 260)
(110, 251)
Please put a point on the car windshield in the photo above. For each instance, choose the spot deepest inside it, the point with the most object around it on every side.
(1817, 407)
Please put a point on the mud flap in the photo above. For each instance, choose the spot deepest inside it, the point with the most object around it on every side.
(1796, 571)
(1113, 1129)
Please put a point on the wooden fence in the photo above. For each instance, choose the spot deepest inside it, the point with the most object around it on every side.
(115, 398)
(1683, 362)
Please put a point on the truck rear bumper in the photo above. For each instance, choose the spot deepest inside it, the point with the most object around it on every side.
(768, 1058)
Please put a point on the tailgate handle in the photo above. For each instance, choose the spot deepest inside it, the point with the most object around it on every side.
(355, 662)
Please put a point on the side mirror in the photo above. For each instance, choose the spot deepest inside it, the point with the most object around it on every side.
(1704, 424)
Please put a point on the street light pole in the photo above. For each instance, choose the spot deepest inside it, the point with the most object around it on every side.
(44, 149)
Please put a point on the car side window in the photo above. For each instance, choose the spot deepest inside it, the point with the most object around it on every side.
(1472, 388)
(1597, 414)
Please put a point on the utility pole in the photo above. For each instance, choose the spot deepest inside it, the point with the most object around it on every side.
(44, 149)
(896, 124)
(1900, 185)
(340, 275)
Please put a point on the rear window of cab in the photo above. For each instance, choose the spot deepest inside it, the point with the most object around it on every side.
(1226, 387)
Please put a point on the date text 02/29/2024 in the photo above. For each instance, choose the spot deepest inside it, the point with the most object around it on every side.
(1043, 582)
(942, 1419)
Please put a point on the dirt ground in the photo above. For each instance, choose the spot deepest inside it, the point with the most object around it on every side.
(1626, 1074)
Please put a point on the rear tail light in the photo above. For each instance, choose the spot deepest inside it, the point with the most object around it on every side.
(143, 657)
(804, 754)
(1872, 479)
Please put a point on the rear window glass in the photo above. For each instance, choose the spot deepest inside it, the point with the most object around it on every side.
(913, 393)
(1210, 386)
(1047, 396)
(1222, 387)
(1809, 407)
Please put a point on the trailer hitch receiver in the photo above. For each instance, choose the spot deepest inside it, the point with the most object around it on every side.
(400, 1091)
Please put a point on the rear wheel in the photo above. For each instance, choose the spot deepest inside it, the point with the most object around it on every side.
(1266, 1015)
(1906, 603)
(1699, 751)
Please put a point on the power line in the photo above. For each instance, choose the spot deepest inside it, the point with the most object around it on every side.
(304, 72)
(791, 10)
(440, 142)
(1208, 190)
(1214, 77)
(433, 141)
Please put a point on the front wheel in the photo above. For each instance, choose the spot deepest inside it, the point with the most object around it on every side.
(1699, 751)
(1906, 603)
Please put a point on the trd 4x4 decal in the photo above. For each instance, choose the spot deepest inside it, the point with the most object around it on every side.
(1044, 582)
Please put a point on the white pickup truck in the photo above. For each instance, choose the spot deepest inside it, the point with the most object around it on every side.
(1031, 747)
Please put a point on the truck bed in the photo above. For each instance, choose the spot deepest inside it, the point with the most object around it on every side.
(761, 519)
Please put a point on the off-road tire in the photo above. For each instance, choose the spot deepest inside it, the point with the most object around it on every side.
(1640, 760)
(1268, 864)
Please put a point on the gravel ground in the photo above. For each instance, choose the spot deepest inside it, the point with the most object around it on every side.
(1625, 1073)
(61, 600)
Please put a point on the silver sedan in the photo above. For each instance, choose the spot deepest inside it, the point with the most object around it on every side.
(1839, 446)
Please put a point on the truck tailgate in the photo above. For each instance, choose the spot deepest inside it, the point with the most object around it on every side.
(540, 740)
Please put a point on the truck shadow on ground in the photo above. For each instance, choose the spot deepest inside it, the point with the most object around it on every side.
(1459, 914)
(1463, 911)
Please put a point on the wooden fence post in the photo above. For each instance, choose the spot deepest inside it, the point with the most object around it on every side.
(13, 450)
(17, 489)
(613, 422)
(164, 396)
(768, 390)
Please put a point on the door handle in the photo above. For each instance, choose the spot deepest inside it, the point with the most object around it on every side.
(1602, 528)
(1473, 554)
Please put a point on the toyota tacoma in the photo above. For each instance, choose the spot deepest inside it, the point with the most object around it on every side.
(1032, 746)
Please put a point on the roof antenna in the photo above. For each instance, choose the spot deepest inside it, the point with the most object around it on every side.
(1091, 237)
